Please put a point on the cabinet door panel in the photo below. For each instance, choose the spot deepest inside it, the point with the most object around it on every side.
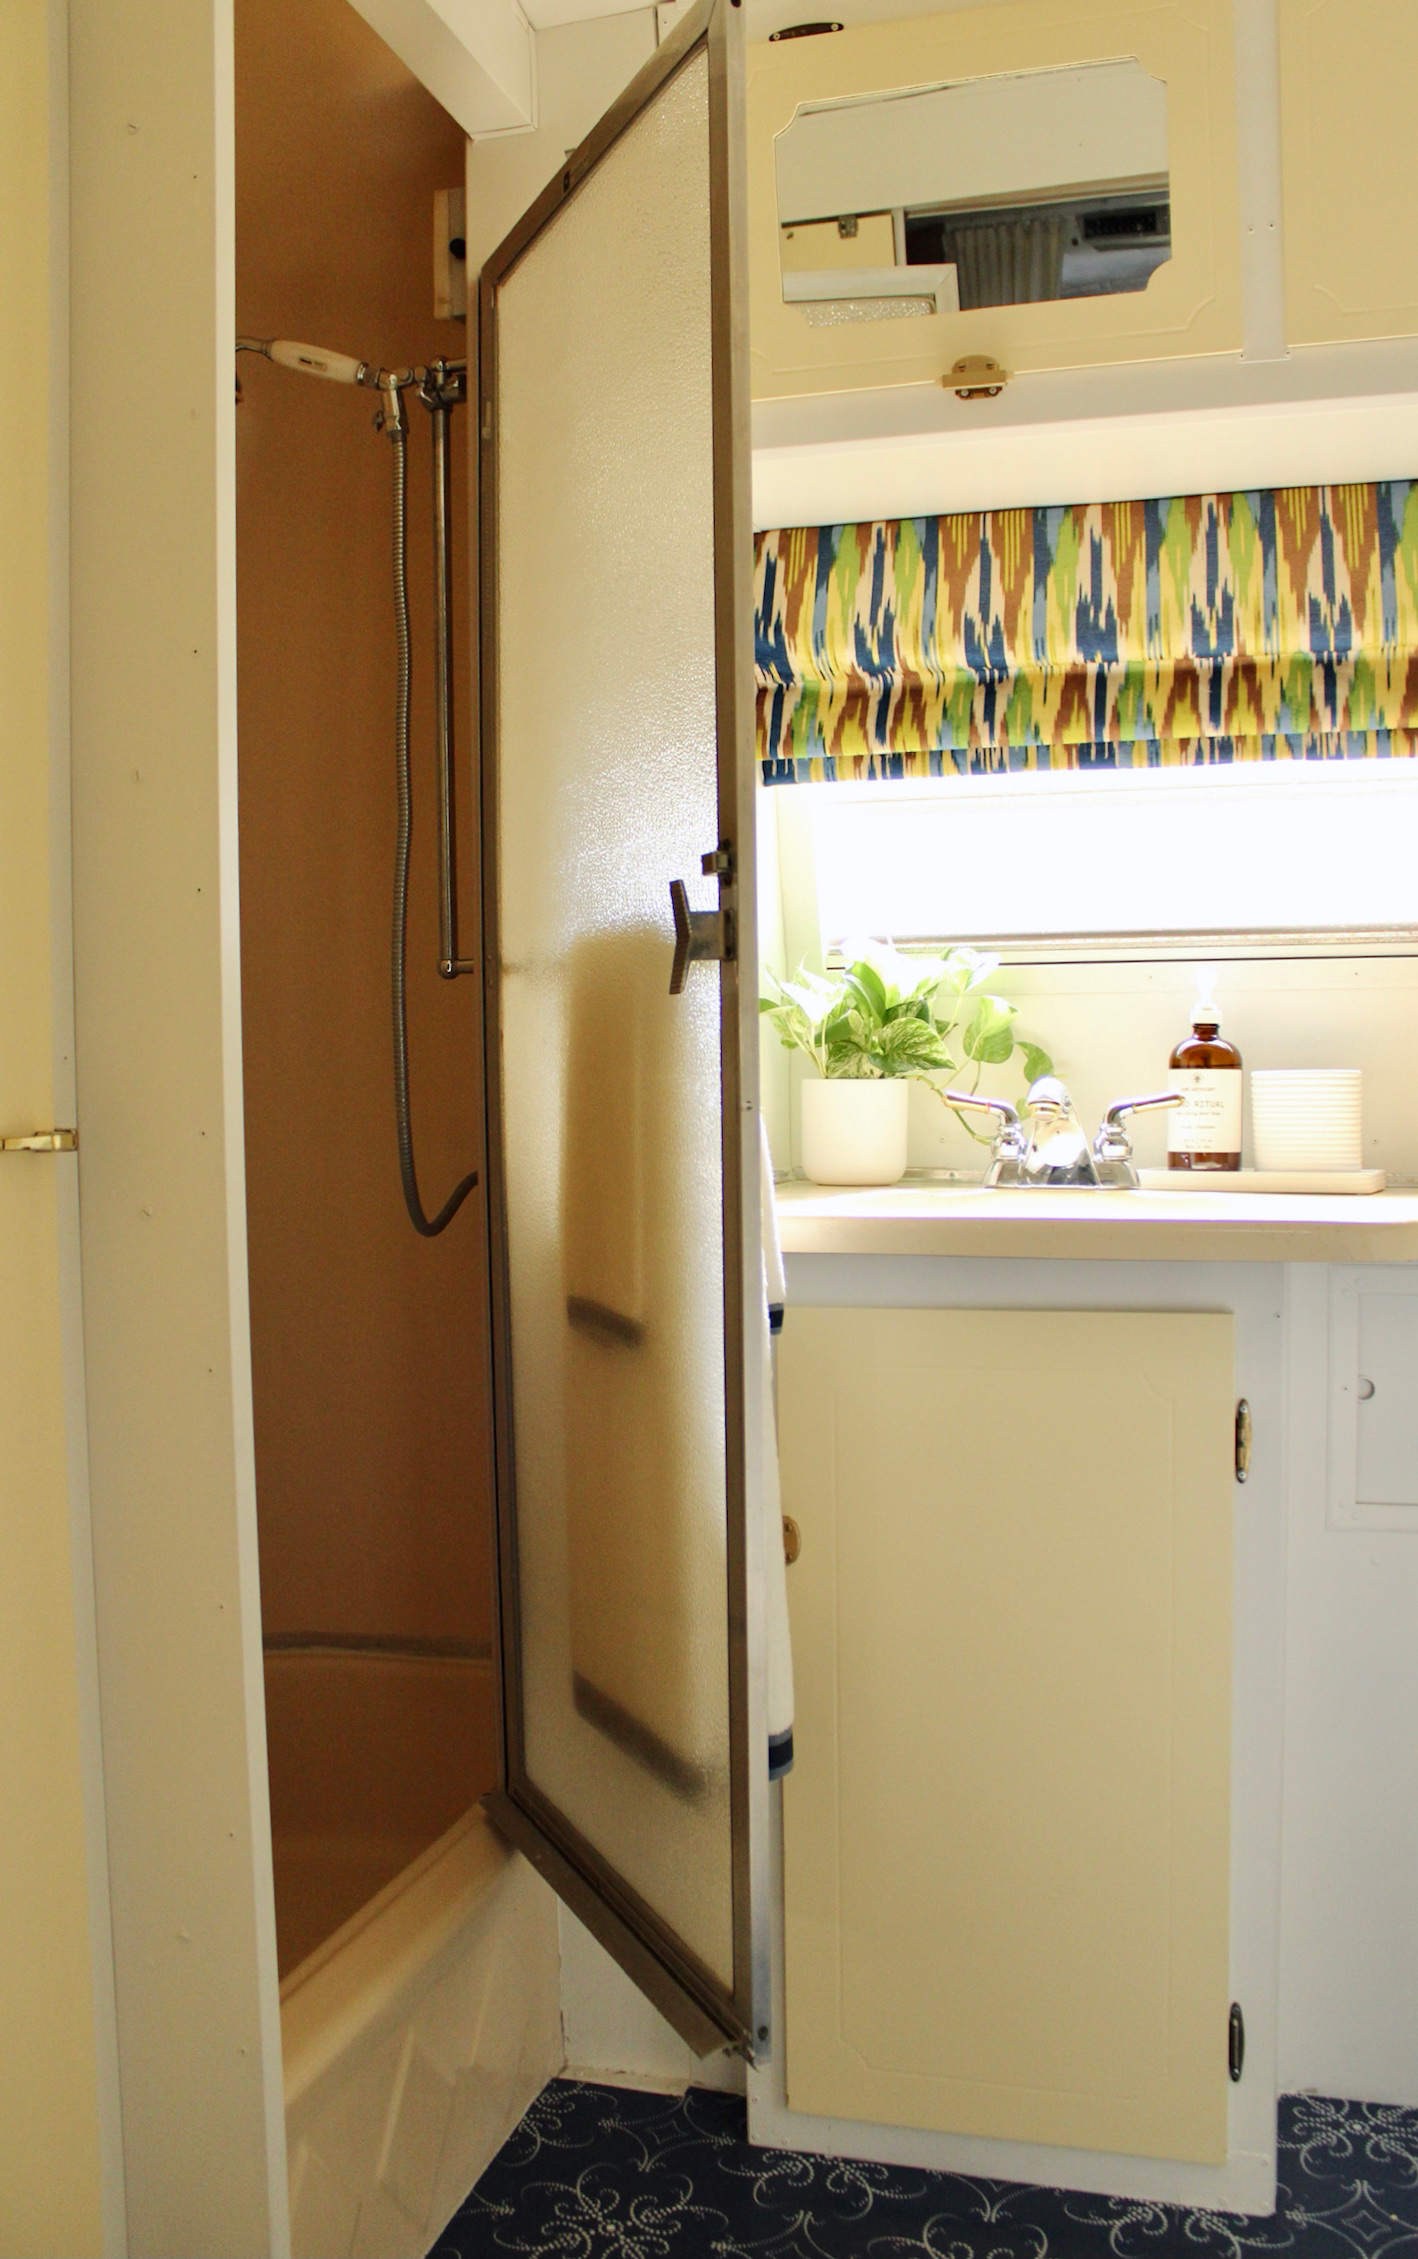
(1347, 70)
(1191, 305)
(1007, 1835)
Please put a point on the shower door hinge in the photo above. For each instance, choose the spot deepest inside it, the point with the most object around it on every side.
(1243, 1439)
(1235, 2041)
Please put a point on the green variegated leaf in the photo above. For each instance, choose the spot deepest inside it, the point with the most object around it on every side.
(866, 985)
(989, 1039)
(911, 1046)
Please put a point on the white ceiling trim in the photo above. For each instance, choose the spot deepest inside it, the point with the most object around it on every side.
(548, 15)
(477, 57)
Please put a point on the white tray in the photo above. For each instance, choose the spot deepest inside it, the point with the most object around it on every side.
(1262, 1180)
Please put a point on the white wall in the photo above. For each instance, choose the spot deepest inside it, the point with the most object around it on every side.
(158, 1018)
(1349, 1882)
(612, 2032)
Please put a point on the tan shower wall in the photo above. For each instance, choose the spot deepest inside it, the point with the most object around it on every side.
(368, 1343)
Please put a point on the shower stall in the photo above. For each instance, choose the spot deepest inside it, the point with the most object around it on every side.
(368, 1336)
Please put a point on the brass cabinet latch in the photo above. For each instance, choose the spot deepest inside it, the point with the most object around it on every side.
(42, 1141)
(1243, 1440)
(976, 376)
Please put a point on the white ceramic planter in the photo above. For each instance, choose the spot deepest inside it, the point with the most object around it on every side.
(855, 1132)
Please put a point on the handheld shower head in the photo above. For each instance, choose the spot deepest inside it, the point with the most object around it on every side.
(439, 388)
(339, 368)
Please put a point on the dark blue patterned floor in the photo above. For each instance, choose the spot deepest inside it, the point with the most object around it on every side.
(595, 2172)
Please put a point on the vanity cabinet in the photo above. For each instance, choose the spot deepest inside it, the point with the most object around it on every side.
(1191, 304)
(1007, 1865)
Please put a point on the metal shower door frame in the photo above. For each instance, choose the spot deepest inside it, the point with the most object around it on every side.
(690, 1996)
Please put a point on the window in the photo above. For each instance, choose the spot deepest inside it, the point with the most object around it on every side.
(1266, 849)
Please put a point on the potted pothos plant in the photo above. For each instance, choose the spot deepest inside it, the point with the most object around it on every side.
(886, 1021)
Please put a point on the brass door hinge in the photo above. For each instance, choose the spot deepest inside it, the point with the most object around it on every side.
(42, 1141)
(792, 1540)
(1235, 2041)
(1243, 1439)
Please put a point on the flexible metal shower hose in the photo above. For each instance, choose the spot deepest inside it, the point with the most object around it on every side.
(428, 1226)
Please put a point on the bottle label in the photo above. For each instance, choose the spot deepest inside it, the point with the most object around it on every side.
(1209, 1117)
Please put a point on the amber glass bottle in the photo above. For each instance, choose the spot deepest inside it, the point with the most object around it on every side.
(1204, 1132)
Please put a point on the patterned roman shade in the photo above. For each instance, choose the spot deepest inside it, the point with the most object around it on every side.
(1216, 627)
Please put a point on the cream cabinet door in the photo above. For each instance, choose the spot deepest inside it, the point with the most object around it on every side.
(1007, 1833)
(1347, 71)
(1192, 303)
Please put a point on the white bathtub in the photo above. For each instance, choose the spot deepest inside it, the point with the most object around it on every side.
(417, 2031)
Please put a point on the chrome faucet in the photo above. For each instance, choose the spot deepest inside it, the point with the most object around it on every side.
(1053, 1149)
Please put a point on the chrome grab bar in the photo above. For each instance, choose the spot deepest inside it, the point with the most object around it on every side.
(441, 389)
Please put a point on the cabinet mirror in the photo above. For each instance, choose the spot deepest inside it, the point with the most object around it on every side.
(1005, 190)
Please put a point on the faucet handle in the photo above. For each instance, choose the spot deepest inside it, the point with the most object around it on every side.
(1009, 1116)
(1112, 1147)
(1011, 1141)
(1113, 1119)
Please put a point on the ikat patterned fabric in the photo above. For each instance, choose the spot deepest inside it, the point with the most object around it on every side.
(595, 2172)
(1208, 628)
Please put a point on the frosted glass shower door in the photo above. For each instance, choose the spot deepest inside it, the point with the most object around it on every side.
(617, 754)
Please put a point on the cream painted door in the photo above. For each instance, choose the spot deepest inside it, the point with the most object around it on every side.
(1006, 1839)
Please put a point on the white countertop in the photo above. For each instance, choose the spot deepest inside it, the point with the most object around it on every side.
(933, 1218)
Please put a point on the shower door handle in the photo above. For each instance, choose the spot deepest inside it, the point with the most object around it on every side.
(701, 936)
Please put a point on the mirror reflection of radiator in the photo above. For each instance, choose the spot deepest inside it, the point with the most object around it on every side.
(644, 1494)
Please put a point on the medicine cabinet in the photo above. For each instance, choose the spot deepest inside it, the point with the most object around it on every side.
(1049, 189)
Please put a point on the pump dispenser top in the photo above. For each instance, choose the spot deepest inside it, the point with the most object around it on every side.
(1204, 1132)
